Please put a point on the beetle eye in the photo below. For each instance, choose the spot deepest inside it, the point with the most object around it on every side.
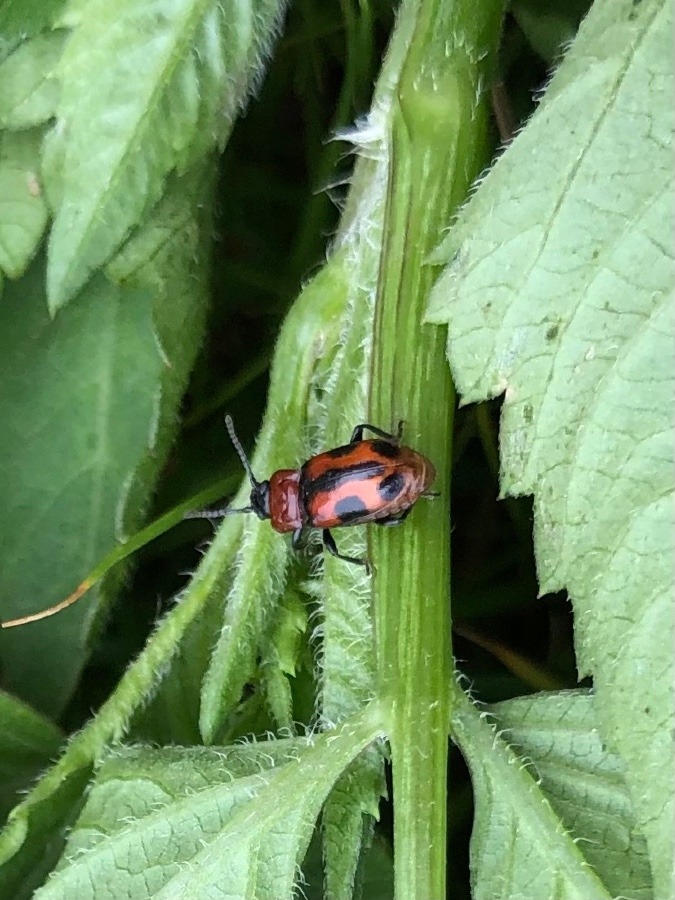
(260, 499)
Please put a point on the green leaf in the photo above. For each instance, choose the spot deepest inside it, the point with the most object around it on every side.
(281, 657)
(348, 822)
(232, 821)
(29, 843)
(549, 25)
(23, 211)
(556, 734)
(376, 879)
(145, 89)
(86, 416)
(22, 19)
(559, 294)
(27, 743)
(28, 87)
(79, 398)
(519, 846)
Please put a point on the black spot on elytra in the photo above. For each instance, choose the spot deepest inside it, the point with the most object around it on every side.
(391, 486)
(332, 478)
(350, 508)
(386, 448)
(340, 451)
(552, 332)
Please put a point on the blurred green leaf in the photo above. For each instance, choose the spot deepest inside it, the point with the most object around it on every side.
(23, 211)
(29, 89)
(549, 25)
(145, 89)
(76, 409)
(559, 294)
(27, 744)
(86, 416)
(21, 19)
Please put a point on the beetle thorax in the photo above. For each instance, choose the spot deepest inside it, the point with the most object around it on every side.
(285, 506)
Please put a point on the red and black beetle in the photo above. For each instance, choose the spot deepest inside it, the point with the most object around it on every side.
(365, 481)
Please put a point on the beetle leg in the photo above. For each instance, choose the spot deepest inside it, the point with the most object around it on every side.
(297, 539)
(431, 495)
(390, 521)
(357, 434)
(330, 545)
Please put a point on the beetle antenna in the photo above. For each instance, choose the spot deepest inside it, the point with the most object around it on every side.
(229, 424)
(216, 513)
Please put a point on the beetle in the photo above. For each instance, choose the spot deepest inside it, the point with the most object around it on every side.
(377, 480)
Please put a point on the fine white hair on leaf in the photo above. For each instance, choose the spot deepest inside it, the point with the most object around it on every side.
(300, 883)
(161, 350)
(586, 840)
(368, 135)
(461, 677)
(317, 634)
(121, 505)
(315, 615)
(155, 419)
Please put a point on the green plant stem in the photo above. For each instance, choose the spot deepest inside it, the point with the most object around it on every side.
(438, 144)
